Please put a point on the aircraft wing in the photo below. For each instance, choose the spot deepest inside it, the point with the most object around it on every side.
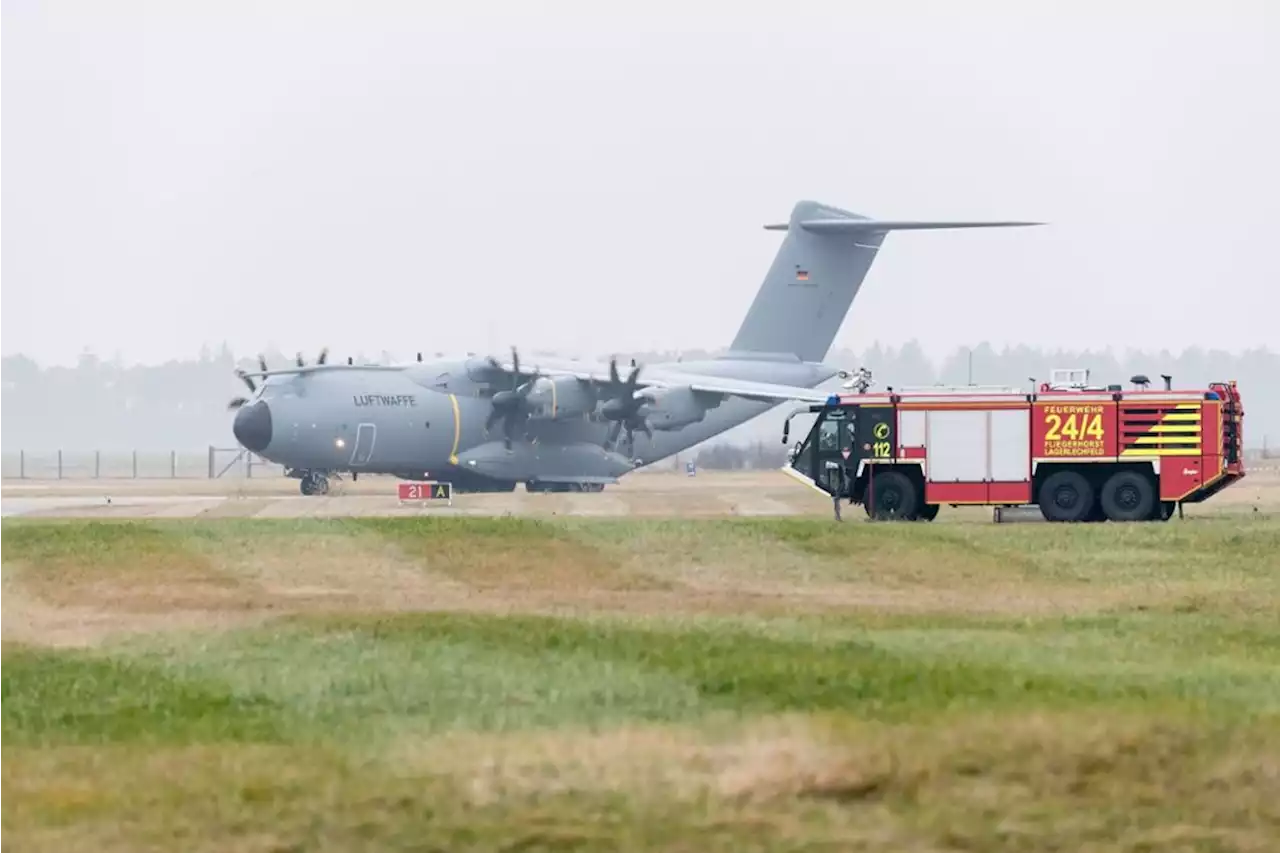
(761, 391)
(718, 385)
(320, 368)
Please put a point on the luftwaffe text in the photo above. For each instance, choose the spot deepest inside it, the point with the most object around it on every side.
(385, 400)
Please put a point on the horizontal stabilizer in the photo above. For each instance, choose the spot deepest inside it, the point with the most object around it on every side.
(864, 226)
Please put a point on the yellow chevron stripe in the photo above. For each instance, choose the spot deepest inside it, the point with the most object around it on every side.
(1161, 451)
(1181, 418)
(1185, 428)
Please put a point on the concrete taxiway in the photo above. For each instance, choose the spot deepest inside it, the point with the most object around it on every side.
(768, 493)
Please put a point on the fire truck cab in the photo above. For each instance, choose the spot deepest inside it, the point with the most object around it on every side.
(1079, 452)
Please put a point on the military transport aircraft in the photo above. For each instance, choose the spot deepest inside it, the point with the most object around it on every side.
(487, 425)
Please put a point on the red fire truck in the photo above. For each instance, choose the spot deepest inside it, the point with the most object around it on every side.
(1080, 452)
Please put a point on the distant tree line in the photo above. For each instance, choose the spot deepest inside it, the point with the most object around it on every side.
(181, 404)
(722, 456)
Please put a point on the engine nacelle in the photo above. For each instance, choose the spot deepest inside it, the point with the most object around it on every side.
(673, 408)
(560, 398)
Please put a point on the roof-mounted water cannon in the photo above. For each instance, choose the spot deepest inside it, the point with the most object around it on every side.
(1140, 381)
(1168, 381)
(861, 380)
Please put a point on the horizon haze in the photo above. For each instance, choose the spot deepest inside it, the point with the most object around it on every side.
(374, 177)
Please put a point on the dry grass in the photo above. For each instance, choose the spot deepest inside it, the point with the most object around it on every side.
(1042, 781)
(113, 577)
(381, 685)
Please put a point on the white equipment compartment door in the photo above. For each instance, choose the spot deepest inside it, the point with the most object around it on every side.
(1010, 445)
(957, 446)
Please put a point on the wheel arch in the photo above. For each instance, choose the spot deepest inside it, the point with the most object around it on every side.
(915, 473)
(1096, 473)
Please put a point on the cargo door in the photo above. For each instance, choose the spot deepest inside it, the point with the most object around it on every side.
(366, 435)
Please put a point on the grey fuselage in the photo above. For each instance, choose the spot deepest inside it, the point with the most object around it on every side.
(427, 421)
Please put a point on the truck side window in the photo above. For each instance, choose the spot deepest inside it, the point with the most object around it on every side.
(829, 434)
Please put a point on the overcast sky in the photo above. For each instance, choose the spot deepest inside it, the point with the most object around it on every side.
(466, 176)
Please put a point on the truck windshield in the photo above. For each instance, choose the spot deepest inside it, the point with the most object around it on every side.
(824, 447)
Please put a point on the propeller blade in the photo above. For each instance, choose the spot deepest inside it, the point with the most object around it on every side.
(298, 360)
(631, 380)
(508, 426)
(247, 381)
(262, 362)
(237, 403)
(324, 356)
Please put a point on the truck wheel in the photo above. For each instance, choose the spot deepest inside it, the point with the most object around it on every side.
(1066, 496)
(893, 495)
(1128, 496)
(928, 512)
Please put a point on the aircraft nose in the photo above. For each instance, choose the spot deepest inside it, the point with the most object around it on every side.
(252, 426)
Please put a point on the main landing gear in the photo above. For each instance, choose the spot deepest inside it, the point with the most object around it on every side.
(535, 486)
(314, 483)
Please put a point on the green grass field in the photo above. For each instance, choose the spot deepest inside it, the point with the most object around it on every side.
(503, 684)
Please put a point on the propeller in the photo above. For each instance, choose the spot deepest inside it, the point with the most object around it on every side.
(623, 408)
(237, 402)
(510, 405)
(324, 357)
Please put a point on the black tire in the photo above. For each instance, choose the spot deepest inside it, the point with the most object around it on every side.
(1165, 510)
(892, 496)
(1066, 496)
(928, 512)
(1129, 496)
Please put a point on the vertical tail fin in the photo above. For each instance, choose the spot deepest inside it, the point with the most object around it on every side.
(815, 276)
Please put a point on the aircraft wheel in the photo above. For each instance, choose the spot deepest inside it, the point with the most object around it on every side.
(1066, 496)
(1128, 496)
(893, 496)
(314, 483)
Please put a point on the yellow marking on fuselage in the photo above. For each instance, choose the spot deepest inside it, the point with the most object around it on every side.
(457, 429)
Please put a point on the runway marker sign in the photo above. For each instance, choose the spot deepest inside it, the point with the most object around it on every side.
(425, 491)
